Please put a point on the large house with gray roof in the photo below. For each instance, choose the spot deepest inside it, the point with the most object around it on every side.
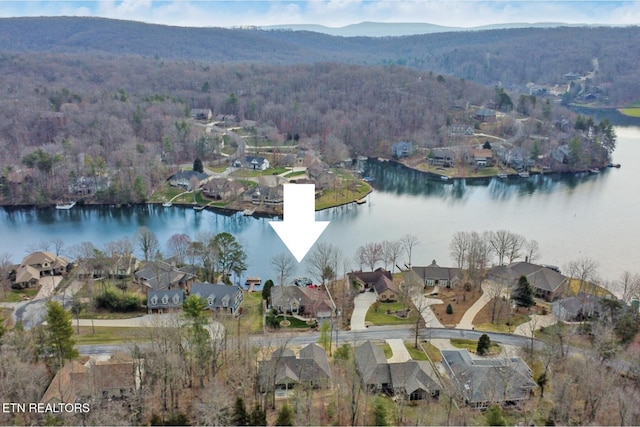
(165, 300)
(284, 371)
(220, 297)
(379, 280)
(410, 380)
(307, 301)
(483, 382)
(160, 275)
(546, 282)
(434, 275)
(37, 265)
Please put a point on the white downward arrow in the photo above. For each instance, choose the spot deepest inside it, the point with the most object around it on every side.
(299, 229)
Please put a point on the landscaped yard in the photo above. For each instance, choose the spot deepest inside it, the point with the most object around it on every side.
(249, 173)
(377, 314)
(17, 295)
(416, 353)
(460, 303)
(472, 345)
(505, 320)
(341, 196)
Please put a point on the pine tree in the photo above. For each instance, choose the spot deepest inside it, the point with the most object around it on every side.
(483, 344)
(239, 416)
(523, 293)
(380, 413)
(285, 416)
(197, 165)
(449, 309)
(258, 416)
(59, 334)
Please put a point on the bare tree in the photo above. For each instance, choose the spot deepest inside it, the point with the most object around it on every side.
(147, 242)
(323, 262)
(459, 248)
(478, 258)
(5, 267)
(58, 244)
(627, 287)
(515, 246)
(284, 265)
(124, 246)
(409, 241)
(499, 242)
(370, 254)
(533, 251)
(584, 270)
(178, 246)
(391, 250)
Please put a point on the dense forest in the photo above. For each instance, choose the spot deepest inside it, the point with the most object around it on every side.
(511, 57)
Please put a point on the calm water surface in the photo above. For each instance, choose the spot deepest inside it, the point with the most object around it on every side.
(571, 217)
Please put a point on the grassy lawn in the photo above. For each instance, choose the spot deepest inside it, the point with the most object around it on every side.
(630, 111)
(247, 173)
(416, 353)
(294, 323)
(17, 295)
(381, 317)
(217, 169)
(107, 335)
(587, 287)
(251, 319)
(331, 197)
(294, 174)
(432, 351)
(164, 194)
(386, 348)
(472, 345)
(504, 321)
(91, 313)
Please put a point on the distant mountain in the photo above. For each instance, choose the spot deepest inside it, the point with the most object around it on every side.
(511, 58)
(382, 29)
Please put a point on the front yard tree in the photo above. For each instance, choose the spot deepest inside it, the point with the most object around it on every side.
(523, 293)
(147, 242)
(323, 262)
(197, 165)
(231, 257)
(59, 334)
(483, 345)
(285, 416)
(239, 416)
(178, 246)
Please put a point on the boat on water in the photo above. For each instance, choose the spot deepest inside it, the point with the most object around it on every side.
(248, 212)
(367, 179)
(444, 177)
(198, 208)
(361, 201)
(502, 175)
(523, 174)
(167, 204)
(594, 170)
(65, 206)
(613, 165)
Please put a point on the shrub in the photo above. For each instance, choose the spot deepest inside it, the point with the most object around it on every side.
(449, 309)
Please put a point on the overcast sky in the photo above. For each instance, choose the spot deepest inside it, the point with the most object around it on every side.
(335, 13)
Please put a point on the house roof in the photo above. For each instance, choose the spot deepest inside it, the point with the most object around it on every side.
(26, 273)
(368, 278)
(315, 299)
(217, 293)
(68, 383)
(538, 276)
(312, 366)
(384, 284)
(161, 275)
(489, 380)
(165, 298)
(39, 258)
(434, 271)
(371, 364)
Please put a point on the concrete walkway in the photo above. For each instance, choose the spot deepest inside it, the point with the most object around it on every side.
(537, 321)
(424, 305)
(361, 304)
(400, 352)
(467, 319)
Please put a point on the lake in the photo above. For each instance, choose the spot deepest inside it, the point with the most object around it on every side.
(596, 216)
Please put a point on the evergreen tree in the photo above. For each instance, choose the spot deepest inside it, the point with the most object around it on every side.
(285, 416)
(239, 416)
(258, 416)
(449, 309)
(266, 290)
(483, 345)
(523, 294)
(59, 334)
(380, 413)
(495, 416)
(197, 165)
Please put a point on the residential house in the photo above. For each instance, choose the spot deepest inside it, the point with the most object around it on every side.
(410, 380)
(461, 130)
(577, 309)
(188, 179)
(97, 381)
(483, 382)
(222, 189)
(546, 282)
(434, 275)
(160, 275)
(401, 149)
(87, 186)
(117, 266)
(284, 371)
(165, 301)
(485, 115)
(265, 196)
(561, 154)
(37, 265)
(482, 158)
(220, 297)
(442, 157)
(379, 281)
(307, 301)
(203, 114)
(252, 162)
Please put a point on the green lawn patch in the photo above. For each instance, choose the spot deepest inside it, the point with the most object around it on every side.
(472, 345)
(506, 326)
(107, 335)
(341, 196)
(386, 348)
(251, 318)
(631, 112)
(294, 174)
(248, 173)
(164, 194)
(416, 353)
(381, 317)
(17, 295)
(432, 351)
(217, 169)
(294, 323)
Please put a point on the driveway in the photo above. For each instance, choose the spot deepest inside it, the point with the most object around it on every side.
(467, 319)
(424, 306)
(361, 305)
(400, 352)
(526, 329)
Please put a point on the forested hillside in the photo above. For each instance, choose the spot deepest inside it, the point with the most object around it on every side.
(512, 57)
